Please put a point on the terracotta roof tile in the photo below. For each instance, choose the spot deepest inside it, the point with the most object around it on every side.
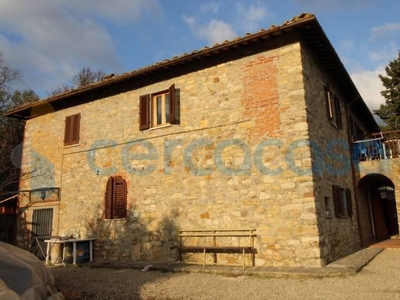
(327, 54)
(165, 61)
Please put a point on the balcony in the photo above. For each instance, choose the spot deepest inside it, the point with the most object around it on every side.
(381, 145)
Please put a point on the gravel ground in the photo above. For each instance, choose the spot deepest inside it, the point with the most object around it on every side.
(378, 280)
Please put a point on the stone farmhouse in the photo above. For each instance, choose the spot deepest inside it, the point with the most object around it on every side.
(258, 132)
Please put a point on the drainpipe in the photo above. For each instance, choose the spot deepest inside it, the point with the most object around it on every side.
(353, 171)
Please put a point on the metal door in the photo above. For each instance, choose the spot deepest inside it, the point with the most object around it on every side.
(42, 221)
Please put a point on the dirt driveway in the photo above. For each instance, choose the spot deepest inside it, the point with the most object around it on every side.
(378, 280)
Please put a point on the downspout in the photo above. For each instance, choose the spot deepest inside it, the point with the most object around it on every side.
(353, 171)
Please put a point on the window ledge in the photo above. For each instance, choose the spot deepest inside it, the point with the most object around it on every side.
(115, 220)
(159, 127)
(70, 146)
(44, 201)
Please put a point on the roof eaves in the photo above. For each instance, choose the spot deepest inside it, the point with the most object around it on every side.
(185, 57)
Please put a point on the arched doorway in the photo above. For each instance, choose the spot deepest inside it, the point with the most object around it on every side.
(378, 211)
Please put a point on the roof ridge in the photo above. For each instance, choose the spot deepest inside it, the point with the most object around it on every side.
(300, 17)
(303, 17)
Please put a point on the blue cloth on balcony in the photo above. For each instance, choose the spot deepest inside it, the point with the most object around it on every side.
(368, 150)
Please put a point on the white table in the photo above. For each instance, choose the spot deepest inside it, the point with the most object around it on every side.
(61, 240)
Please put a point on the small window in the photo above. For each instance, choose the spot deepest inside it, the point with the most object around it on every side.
(115, 198)
(342, 202)
(333, 106)
(72, 128)
(327, 203)
(158, 109)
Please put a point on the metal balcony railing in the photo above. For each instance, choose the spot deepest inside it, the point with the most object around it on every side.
(381, 145)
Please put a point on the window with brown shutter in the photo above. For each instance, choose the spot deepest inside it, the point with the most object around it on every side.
(72, 128)
(158, 109)
(172, 108)
(338, 112)
(342, 202)
(109, 199)
(349, 203)
(115, 198)
(337, 200)
(333, 108)
(144, 111)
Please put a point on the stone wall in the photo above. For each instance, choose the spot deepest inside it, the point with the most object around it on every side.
(240, 157)
(331, 158)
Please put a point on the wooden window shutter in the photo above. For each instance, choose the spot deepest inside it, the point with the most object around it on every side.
(349, 203)
(144, 112)
(338, 112)
(67, 132)
(109, 199)
(172, 105)
(337, 200)
(115, 198)
(120, 193)
(328, 103)
(72, 129)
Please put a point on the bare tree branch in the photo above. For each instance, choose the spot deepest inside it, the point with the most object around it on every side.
(83, 78)
(15, 179)
(7, 74)
(87, 76)
(11, 130)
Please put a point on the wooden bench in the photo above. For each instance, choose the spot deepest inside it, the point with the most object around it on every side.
(214, 243)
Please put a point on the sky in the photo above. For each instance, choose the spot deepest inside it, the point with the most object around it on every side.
(49, 41)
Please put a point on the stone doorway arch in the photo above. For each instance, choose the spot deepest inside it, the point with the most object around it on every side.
(378, 209)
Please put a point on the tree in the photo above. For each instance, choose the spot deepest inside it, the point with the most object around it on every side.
(11, 131)
(83, 78)
(7, 74)
(86, 76)
(390, 111)
(60, 90)
(11, 135)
